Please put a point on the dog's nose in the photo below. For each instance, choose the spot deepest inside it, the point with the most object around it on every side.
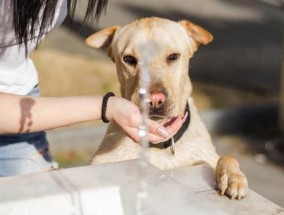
(157, 99)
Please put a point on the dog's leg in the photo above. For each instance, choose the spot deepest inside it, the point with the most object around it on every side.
(230, 180)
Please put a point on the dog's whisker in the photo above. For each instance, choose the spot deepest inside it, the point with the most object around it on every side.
(158, 116)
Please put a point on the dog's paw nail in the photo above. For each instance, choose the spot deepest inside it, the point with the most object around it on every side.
(242, 193)
(233, 196)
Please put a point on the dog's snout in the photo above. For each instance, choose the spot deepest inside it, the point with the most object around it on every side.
(157, 99)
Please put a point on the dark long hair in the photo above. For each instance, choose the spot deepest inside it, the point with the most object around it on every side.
(26, 16)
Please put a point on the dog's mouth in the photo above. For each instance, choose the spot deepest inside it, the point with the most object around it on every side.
(157, 117)
(163, 120)
(160, 114)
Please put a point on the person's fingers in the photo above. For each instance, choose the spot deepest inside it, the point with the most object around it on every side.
(157, 132)
(133, 134)
(157, 129)
(172, 126)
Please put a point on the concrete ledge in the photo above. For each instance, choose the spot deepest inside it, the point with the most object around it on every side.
(112, 189)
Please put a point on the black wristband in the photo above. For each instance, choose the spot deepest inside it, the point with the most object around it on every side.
(104, 106)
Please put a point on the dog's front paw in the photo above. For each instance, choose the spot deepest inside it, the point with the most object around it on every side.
(230, 180)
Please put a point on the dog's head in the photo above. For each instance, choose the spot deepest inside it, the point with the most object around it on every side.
(170, 85)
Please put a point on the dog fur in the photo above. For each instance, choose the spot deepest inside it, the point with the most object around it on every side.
(169, 77)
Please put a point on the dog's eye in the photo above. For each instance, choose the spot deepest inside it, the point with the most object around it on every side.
(173, 57)
(130, 60)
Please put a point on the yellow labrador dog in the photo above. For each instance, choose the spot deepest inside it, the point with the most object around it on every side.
(170, 95)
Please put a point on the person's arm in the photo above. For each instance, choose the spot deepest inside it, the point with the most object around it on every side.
(21, 114)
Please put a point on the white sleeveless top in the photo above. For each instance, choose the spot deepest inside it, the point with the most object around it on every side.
(18, 74)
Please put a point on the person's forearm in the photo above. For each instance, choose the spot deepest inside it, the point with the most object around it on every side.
(20, 114)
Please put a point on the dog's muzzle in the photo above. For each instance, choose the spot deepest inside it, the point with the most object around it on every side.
(171, 142)
(159, 105)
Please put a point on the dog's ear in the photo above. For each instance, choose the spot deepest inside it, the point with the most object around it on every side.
(197, 33)
(102, 38)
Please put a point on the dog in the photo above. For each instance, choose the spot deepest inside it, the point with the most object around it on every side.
(171, 85)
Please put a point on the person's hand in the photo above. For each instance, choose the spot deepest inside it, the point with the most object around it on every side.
(127, 115)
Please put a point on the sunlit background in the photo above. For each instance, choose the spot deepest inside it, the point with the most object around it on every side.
(236, 78)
